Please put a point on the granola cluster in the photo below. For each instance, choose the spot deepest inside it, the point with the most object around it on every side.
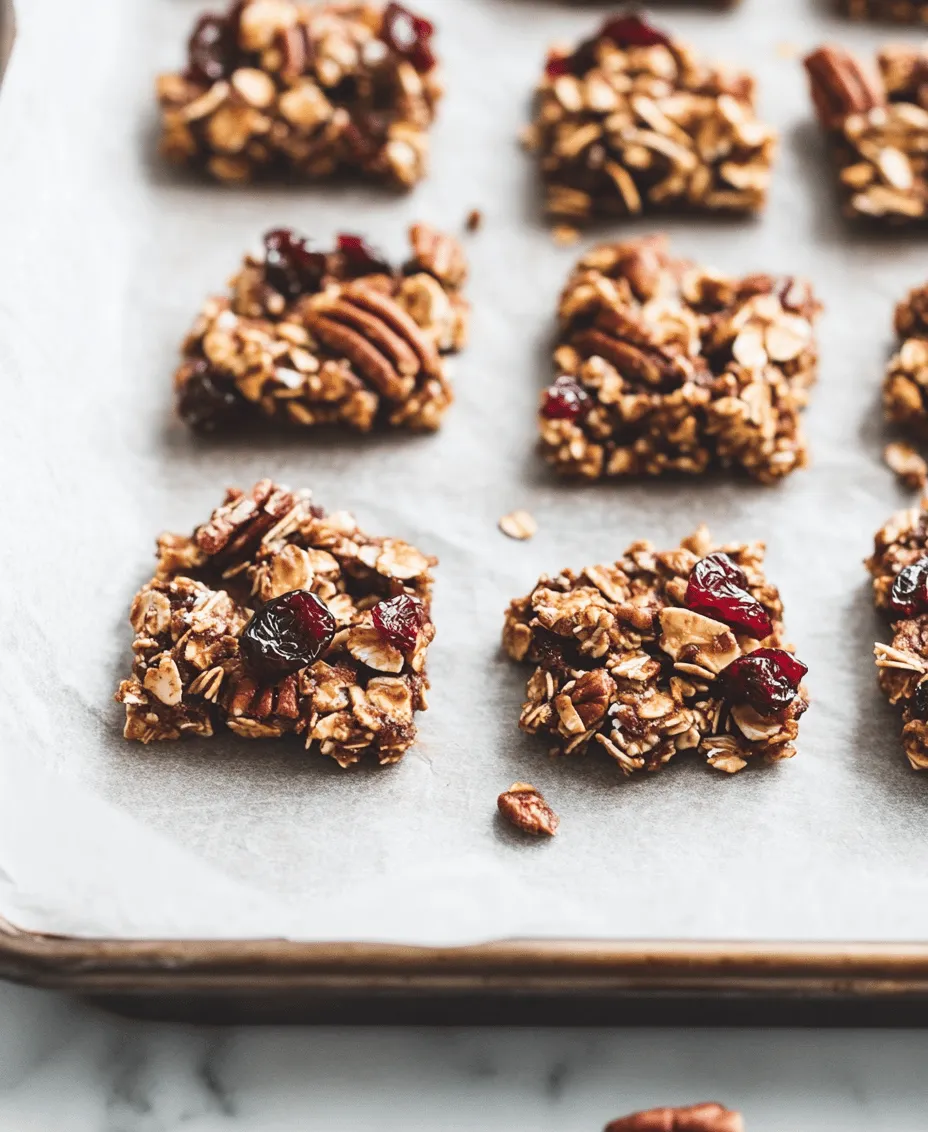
(905, 389)
(878, 127)
(897, 11)
(328, 338)
(622, 660)
(709, 1117)
(307, 90)
(633, 121)
(189, 674)
(899, 567)
(670, 367)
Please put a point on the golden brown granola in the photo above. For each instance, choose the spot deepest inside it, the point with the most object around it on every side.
(896, 11)
(695, 1118)
(878, 127)
(524, 807)
(669, 367)
(906, 465)
(351, 341)
(620, 659)
(306, 90)
(905, 388)
(189, 675)
(633, 121)
(899, 567)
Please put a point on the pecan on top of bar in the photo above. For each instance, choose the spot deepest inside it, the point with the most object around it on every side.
(894, 11)
(665, 366)
(319, 338)
(877, 124)
(899, 568)
(277, 88)
(709, 1117)
(632, 120)
(659, 653)
(274, 619)
(905, 387)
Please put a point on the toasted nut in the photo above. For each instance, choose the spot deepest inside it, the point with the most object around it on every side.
(696, 1118)
(526, 809)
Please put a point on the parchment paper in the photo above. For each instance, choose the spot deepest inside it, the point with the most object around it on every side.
(104, 259)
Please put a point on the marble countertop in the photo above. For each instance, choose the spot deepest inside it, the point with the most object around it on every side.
(68, 1067)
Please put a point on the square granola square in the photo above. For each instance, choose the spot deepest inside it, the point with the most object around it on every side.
(276, 88)
(633, 121)
(309, 338)
(877, 126)
(660, 653)
(274, 618)
(665, 366)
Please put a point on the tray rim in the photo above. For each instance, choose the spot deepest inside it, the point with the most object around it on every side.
(563, 968)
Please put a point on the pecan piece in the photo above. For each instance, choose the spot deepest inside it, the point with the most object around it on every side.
(525, 808)
(378, 370)
(840, 86)
(439, 254)
(695, 1118)
(397, 319)
(376, 331)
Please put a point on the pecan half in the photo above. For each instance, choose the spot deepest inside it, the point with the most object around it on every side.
(840, 86)
(695, 1118)
(362, 354)
(526, 809)
(397, 319)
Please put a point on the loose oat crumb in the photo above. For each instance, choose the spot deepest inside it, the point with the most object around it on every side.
(519, 525)
(564, 235)
(525, 808)
(906, 464)
(474, 220)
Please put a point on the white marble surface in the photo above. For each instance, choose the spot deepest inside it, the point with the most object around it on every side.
(68, 1068)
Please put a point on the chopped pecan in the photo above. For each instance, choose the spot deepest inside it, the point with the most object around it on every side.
(841, 86)
(524, 807)
(696, 1118)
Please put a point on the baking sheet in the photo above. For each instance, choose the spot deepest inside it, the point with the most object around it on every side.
(105, 258)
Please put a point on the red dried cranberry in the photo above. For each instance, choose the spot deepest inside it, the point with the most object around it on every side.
(286, 635)
(767, 679)
(360, 258)
(633, 31)
(718, 589)
(558, 65)
(400, 620)
(909, 594)
(207, 399)
(289, 266)
(565, 400)
(213, 47)
(410, 36)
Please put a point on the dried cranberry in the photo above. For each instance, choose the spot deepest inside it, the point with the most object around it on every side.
(558, 65)
(360, 258)
(767, 679)
(718, 588)
(289, 266)
(633, 31)
(910, 590)
(400, 620)
(286, 635)
(565, 400)
(207, 399)
(213, 47)
(410, 36)
(919, 704)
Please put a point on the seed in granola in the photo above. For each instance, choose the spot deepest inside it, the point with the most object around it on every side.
(207, 400)
(633, 31)
(399, 621)
(361, 258)
(565, 400)
(766, 679)
(289, 265)
(288, 634)
(410, 36)
(909, 594)
(717, 588)
(526, 809)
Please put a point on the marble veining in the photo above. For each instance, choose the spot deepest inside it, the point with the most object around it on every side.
(68, 1067)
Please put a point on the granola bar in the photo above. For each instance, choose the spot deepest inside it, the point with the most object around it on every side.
(658, 653)
(899, 568)
(694, 1118)
(276, 619)
(665, 366)
(905, 388)
(877, 125)
(278, 88)
(896, 11)
(311, 338)
(635, 121)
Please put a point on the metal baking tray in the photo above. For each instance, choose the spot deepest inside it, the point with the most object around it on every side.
(231, 869)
